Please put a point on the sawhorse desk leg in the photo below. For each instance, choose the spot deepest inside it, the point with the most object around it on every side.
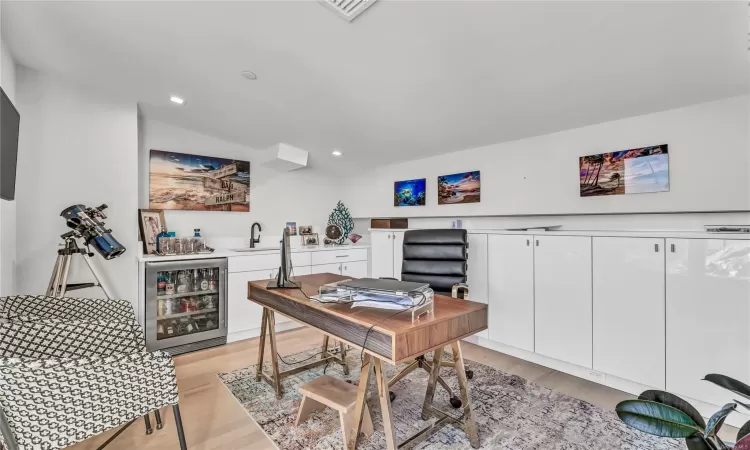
(467, 421)
(268, 329)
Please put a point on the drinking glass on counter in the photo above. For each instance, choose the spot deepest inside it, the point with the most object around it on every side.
(166, 245)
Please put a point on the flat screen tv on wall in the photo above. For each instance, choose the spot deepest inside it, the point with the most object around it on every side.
(9, 123)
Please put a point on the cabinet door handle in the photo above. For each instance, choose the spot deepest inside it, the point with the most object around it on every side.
(342, 256)
(537, 242)
(671, 247)
(656, 248)
(389, 236)
(528, 242)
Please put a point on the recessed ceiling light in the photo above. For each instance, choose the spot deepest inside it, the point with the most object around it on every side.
(177, 100)
(249, 75)
(336, 153)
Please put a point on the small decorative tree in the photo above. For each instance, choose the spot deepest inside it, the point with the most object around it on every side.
(341, 217)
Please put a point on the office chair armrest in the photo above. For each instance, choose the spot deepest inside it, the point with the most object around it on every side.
(55, 339)
(42, 307)
(74, 399)
(460, 290)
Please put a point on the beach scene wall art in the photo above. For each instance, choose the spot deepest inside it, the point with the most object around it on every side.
(635, 171)
(198, 183)
(409, 192)
(464, 187)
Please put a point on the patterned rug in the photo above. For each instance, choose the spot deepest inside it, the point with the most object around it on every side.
(512, 413)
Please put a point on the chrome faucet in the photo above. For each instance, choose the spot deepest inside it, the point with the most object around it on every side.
(253, 239)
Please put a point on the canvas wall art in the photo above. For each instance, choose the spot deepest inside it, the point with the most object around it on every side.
(409, 192)
(634, 171)
(198, 183)
(464, 187)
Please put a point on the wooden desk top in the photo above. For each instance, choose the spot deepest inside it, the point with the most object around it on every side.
(392, 338)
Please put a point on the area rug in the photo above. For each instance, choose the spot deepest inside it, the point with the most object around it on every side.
(512, 413)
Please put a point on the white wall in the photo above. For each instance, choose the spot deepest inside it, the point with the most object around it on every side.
(76, 147)
(8, 208)
(709, 162)
(306, 196)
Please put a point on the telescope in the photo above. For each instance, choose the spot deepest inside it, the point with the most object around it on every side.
(88, 224)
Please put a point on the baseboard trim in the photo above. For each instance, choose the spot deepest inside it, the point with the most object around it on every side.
(255, 332)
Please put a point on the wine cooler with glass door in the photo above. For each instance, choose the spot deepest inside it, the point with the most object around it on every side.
(186, 305)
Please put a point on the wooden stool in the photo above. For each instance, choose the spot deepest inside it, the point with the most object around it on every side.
(338, 395)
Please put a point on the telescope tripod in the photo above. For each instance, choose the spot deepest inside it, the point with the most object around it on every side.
(58, 283)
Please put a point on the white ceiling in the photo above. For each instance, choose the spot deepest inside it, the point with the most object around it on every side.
(404, 80)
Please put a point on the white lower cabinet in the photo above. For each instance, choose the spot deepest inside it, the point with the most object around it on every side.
(476, 271)
(510, 275)
(354, 269)
(387, 253)
(243, 314)
(629, 308)
(562, 310)
(382, 254)
(327, 268)
(708, 306)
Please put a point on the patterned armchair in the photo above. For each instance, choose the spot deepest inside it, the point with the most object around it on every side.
(65, 377)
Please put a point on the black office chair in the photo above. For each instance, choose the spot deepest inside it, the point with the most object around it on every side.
(436, 257)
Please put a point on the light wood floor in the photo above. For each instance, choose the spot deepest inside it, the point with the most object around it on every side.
(214, 420)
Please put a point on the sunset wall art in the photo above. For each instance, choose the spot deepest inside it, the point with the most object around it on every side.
(461, 187)
(635, 171)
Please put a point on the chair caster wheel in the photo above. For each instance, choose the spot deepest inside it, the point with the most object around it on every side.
(455, 402)
(159, 426)
(149, 431)
(470, 374)
(392, 396)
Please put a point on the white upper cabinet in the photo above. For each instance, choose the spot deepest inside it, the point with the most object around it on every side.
(510, 280)
(381, 251)
(477, 272)
(708, 297)
(629, 308)
(563, 317)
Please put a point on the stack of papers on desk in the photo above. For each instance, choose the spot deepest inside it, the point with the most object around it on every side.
(366, 299)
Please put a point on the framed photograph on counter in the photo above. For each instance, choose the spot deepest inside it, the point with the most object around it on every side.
(305, 229)
(310, 239)
(150, 222)
(292, 227)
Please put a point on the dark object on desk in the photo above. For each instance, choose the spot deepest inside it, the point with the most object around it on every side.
(438, 258)
(383, 284)
(282, 279)
(397, 223)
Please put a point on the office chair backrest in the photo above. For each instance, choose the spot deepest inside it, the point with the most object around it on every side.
(437, 257)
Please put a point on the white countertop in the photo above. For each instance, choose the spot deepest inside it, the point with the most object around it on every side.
(602, 233)
(228, 253)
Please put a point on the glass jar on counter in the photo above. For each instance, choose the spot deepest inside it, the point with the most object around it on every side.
(166, 245)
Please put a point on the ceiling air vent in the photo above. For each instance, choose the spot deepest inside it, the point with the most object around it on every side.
(348, 9)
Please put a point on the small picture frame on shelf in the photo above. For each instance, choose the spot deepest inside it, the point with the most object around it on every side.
(305, 229)
(310, 239)
(150, 222)
(292, 227)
